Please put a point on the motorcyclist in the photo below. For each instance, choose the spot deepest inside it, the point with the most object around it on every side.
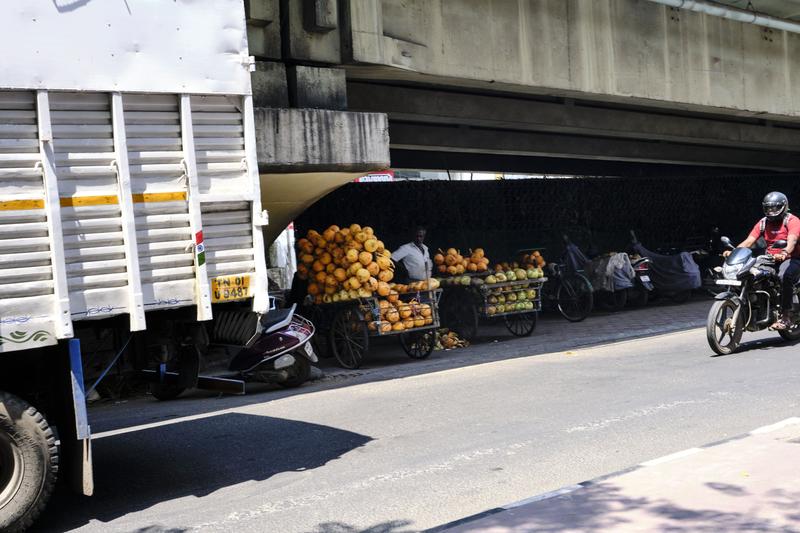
(779, 224)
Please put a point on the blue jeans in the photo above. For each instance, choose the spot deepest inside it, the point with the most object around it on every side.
(789, 273)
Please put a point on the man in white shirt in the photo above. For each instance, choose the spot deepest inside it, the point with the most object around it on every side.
(415, 257)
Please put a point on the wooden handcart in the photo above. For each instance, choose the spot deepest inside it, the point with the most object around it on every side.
(464, 307)
(349, 325)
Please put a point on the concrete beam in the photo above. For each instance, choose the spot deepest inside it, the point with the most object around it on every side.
(313, 140)
(627, 51)
(514, 164)
(415, 104)
(409, 136)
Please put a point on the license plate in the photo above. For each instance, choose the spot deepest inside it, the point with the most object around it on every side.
(645, 278)
(309, 350)
(230, 288)
(730, 282)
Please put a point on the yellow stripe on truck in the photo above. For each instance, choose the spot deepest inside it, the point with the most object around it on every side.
(21, 205)
(79, 201)
(149, 197)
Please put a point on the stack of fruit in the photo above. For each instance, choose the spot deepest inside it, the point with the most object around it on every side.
(396, 315)
(533, 260)
(503, 275)
(344, 264)
(508, 301)
(452, 263)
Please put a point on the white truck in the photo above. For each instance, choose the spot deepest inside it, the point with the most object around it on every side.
(130, 210)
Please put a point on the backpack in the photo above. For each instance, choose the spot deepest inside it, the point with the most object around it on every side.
(763, 227)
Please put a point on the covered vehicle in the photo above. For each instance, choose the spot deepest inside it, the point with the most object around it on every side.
(672, 275)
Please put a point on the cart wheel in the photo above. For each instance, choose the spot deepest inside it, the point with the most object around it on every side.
(317, 317)
(460, 315)
(521, 325)
(349, 338)
(418, 345)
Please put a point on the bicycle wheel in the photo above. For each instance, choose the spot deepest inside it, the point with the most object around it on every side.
(574, 297)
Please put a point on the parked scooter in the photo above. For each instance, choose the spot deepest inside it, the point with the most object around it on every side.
(271, 348)
(751, 302)
(673, 276)
(639, 294)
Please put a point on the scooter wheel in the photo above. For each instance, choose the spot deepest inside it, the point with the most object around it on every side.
(299, 372)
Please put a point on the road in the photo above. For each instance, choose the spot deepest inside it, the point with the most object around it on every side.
(386, 452)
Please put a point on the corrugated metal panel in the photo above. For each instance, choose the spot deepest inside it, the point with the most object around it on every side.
(218, 125)
(106, 213)
(24, 240)
(158, 184)
(87, 183)
(227, 227)
(219, 145)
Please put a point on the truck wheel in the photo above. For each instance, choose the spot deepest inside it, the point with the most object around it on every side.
(28, 463)
(165, 392)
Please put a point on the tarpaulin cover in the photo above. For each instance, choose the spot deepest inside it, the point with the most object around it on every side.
(611, 272)
(671, 272)
(574, 260)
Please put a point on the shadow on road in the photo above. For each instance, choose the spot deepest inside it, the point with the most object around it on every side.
(606, 507)
(137, 470)
(770, 343)
(387, 361)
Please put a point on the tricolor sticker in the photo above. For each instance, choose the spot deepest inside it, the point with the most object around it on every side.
(201, 248)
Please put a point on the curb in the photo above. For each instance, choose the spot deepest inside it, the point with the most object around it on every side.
(653, 462)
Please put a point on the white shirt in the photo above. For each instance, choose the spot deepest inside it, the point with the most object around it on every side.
(417, 262)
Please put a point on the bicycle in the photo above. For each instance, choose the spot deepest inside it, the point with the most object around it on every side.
(571, 293)
(567, 289)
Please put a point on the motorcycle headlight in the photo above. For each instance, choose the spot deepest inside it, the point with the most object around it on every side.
(730, 271)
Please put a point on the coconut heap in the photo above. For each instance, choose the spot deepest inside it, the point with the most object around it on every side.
(344, 264)
(454, 264)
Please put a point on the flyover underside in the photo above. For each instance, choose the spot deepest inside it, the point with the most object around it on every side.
(444, 128)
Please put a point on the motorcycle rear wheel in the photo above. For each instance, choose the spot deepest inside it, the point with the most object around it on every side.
(720, 327)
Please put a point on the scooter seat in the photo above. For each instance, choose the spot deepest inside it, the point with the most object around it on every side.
(277, 319)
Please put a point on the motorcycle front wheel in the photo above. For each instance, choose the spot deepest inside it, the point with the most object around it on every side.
(723, 335)
(791, 334)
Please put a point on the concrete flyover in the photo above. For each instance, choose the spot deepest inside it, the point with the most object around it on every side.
(612, 80)
(593, 87)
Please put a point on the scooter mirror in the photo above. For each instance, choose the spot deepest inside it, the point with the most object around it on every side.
(726, 241)
(780, 245)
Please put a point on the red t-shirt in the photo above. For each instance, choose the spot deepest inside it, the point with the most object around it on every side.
(778, 231)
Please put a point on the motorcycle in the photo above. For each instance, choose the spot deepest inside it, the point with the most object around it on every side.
(271, 348)
(639, 294)
(751, 301)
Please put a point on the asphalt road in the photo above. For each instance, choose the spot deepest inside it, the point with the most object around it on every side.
(384, 452)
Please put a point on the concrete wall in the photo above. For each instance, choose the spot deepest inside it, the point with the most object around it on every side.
(631, 51)
(303, 154)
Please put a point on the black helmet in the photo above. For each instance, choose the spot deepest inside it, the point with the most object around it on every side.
(775, 205)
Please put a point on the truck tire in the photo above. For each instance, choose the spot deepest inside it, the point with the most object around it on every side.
(28, 463)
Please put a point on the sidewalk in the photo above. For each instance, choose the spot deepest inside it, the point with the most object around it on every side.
(751, 483)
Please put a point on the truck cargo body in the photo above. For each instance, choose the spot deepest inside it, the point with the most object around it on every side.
(129, 205)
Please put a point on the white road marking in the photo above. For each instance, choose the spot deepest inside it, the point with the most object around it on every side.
(637, 413)
(449, 464)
